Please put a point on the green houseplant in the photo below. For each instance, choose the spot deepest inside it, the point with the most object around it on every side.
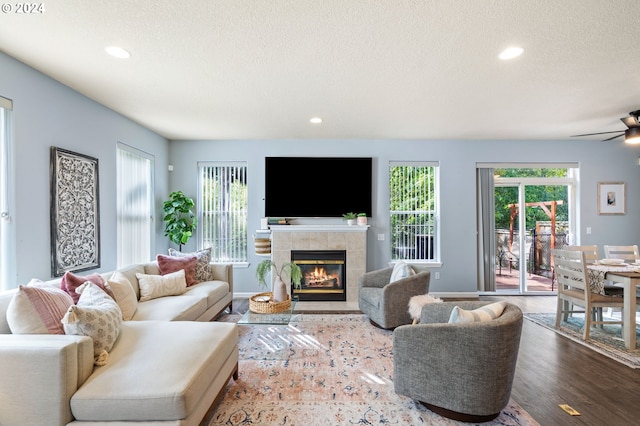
(180, 222)
(286, 271)
(350, 218)
(361, 219)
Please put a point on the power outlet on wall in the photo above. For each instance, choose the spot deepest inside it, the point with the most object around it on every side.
(437, 275)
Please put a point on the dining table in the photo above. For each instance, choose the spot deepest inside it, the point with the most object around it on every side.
(629, 277)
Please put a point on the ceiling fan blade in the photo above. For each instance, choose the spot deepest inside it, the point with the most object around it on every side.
(613, 137)
(600, 133)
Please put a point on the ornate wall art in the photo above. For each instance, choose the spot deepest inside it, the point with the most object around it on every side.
(75, 212)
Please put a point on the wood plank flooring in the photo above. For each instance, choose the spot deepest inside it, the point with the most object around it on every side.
(554, 370)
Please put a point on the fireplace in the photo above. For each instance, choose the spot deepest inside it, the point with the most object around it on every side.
(323, 275)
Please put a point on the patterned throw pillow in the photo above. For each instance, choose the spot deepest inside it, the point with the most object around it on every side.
(203, 267)
(124, 294)
(37, 309)
(154, 286)
(95, 315)
(71, 282)
(401, 270)
(169, 264)
(483, 313)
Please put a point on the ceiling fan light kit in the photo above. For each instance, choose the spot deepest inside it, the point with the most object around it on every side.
(632, 135)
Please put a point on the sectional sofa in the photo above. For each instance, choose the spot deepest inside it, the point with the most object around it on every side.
(168, 365)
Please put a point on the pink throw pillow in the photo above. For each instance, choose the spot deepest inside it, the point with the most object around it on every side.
(70, 282)
(169, 264)
(37, 309)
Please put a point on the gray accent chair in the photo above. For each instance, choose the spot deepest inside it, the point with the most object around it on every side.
(460, 371)
(386, 304)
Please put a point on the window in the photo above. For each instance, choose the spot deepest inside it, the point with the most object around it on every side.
(7, 260)
(222, 210)
(134, 205)
(413, 204)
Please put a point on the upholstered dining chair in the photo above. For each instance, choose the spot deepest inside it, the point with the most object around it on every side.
(462, 371)
(384, 295)
(574, 290)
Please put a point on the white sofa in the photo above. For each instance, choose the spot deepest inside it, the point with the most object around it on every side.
(168, 366)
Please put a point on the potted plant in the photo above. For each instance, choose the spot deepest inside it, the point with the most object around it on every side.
(362, 219)
(288, 270)
(180, 222)
(350, 218)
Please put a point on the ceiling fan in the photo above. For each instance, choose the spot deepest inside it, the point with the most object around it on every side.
(631, 135)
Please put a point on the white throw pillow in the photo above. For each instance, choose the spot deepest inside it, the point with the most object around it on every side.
(154, 286)
(483, 313)
(401, 270)
(124, 294)
(96, 315)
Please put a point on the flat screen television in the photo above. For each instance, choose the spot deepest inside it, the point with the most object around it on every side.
(317, 186)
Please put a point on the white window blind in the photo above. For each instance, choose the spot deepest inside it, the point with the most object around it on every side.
(134, 205)
(222, 210)
(8, 275)
(413, 203)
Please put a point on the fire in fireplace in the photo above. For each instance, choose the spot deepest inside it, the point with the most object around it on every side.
(323, 275)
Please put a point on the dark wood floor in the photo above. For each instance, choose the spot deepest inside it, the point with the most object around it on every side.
(554, 370)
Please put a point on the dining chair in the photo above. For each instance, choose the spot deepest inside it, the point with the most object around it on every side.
(574, 290)
(591, 256)
(627, 253)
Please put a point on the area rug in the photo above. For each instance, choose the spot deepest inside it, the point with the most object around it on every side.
(324, 370)
(606, 340)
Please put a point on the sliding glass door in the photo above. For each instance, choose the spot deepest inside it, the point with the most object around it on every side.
(533, 214)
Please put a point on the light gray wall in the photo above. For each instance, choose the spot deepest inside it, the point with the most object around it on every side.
(47, 113)
(610, 162)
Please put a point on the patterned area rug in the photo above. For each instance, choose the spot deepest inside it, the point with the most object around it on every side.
(606, 340)
(324, 370)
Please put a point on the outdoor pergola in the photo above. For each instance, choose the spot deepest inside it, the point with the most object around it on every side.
(544, 205)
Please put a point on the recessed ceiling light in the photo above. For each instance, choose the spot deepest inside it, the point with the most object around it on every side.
(315, 120)
(510, 53)
(117, 52)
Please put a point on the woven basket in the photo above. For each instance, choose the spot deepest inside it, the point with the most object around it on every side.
(269, 307)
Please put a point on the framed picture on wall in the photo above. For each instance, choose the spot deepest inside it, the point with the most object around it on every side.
(75, 212)
(612, 198)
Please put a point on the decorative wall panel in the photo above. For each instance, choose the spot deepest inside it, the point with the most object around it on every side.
(75, 212)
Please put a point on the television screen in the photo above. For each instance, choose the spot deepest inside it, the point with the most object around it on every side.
(317, 186)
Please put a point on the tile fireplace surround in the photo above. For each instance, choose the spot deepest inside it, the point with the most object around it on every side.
(352, 239)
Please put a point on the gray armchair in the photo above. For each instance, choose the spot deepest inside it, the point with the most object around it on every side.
(460, 371)
(386, 304)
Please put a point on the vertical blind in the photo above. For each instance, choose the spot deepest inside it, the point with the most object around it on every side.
(7, 261)
(223, 210)
(413, 210)
(134, 205)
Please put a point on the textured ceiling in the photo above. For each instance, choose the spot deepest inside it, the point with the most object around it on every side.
(251, 69)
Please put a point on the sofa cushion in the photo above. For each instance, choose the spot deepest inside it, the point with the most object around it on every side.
(169, 264)
(401, 270)
(37, 309)
(153, 384)
(124, 294)
(177, 308)
(483, 313)
(154, 286)
(70, 282)
(203, 267)
(130, 272)
(96, 315)
(213, 291)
